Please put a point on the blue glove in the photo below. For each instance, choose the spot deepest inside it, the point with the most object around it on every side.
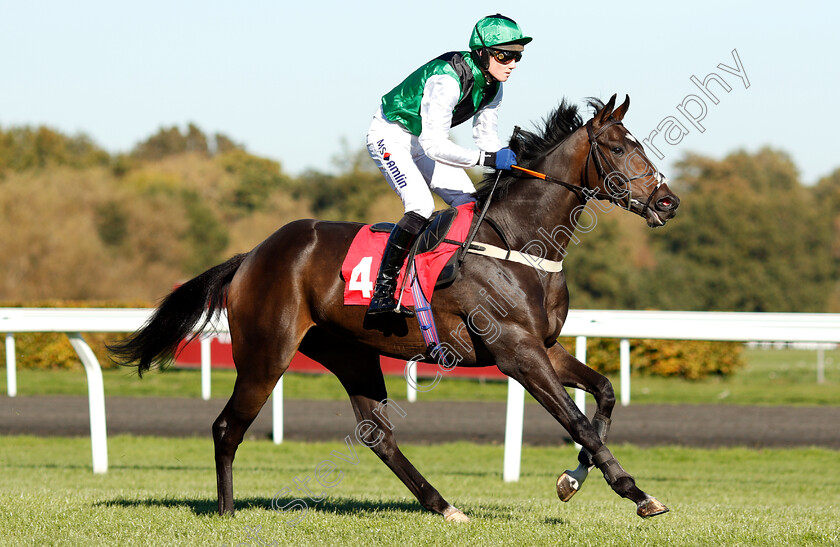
(503, 159)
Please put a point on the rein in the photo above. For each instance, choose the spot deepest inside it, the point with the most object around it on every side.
(467, 243)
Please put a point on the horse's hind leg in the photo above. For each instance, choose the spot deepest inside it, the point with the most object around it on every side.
(259, 366)
(575, 374)
(360, 374)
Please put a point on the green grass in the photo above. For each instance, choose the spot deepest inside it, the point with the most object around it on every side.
(161, 491)
(771, 377)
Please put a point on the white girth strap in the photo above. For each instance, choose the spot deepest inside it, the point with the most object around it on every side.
(551, 266)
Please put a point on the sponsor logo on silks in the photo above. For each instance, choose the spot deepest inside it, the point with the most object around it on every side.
(399, 178)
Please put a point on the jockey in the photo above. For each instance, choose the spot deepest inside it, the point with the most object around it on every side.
(409, 136)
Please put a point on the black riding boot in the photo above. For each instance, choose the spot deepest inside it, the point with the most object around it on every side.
(399, 243)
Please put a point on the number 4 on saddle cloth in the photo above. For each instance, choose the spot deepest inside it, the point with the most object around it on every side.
(436, 245)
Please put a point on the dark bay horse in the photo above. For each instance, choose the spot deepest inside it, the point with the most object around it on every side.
(286, 295)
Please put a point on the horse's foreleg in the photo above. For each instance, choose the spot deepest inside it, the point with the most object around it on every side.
(361, 376)
(571, 480)
(573, 373)
(530, 365)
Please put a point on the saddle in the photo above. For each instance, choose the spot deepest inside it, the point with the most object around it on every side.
(432, 235)
(430, 239)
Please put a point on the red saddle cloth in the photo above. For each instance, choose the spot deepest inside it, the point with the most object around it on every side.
(362, 261)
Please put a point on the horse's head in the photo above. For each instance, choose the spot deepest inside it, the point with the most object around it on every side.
(617, 168)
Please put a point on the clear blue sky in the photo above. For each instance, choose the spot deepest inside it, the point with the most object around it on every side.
(294, 82)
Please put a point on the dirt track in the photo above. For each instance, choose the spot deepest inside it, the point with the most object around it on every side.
(436, 422)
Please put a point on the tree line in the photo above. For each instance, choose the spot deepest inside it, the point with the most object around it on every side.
(83, 224)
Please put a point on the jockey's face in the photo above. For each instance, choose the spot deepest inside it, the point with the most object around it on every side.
(500, 71)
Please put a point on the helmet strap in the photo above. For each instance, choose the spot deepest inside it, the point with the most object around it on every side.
(483, 63)
(483, 54)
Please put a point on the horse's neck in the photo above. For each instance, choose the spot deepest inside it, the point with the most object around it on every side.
(539, 216)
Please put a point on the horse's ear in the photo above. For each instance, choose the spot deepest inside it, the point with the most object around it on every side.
(606, 112)
(515, 140)
(621, 110)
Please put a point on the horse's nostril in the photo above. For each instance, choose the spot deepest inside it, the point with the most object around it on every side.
(666, 203)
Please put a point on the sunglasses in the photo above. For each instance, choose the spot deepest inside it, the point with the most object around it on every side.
(505, 57)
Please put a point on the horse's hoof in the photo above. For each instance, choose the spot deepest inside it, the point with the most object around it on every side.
(455, 515)
(567, 486)
(650, 508)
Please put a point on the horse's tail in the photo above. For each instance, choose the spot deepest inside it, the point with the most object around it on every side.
(176, 318)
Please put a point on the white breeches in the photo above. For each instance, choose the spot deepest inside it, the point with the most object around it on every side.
(411, 173)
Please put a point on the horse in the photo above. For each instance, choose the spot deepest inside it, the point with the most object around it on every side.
(285, 295)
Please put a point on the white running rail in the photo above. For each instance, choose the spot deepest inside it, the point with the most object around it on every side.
(624, 325)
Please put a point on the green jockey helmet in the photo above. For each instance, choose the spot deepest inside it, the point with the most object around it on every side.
(497, 30)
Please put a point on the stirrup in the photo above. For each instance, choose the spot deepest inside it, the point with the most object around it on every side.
(387, 304)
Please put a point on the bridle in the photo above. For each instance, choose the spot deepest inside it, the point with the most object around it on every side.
(598, 159)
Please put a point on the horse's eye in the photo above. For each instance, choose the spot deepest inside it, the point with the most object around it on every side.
(617, 150)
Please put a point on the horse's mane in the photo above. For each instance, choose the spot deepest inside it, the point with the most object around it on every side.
(533, 146)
